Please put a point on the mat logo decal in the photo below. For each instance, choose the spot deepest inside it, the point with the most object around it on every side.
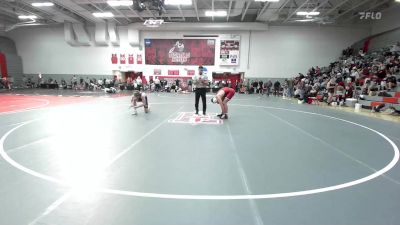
(191, 118)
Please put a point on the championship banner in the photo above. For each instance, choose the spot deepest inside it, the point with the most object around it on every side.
(122, 59)
(114, 59)
(139, 58)
(130, 59)
(180, 52)
(229, 52)
(126, 58)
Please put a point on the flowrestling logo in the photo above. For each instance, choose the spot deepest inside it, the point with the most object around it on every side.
(370, 15)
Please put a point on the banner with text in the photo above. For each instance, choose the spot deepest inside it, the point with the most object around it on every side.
(180, 51)
(229, 52)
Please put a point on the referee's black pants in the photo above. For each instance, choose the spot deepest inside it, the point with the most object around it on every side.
(201, 92)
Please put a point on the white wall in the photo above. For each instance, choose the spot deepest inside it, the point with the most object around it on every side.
(286, 51)
(278, 52)
(386, 39)
(389, 21)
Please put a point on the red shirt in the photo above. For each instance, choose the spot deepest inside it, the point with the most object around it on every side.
(229, 92)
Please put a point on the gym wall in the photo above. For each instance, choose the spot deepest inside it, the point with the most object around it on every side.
(13, 61)
(278, 52)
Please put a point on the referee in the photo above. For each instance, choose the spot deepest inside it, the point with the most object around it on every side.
(200, 83)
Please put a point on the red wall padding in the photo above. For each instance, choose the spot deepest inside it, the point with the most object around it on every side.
(3, 65)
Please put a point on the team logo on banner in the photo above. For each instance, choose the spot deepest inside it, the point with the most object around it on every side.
(122, 59)
(177, 53)
(130, 59)
(139, 59)
(191, 118)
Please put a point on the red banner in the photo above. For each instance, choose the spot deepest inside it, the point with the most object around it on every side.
(180, 52)
(173, 72)
(3, 65)
(191, 72)
(114, 59)
(130, 59)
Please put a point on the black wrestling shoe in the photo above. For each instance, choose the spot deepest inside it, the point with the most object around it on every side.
(224, 116)
(219, 115)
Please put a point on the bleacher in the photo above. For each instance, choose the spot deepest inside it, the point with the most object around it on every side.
(367, 102)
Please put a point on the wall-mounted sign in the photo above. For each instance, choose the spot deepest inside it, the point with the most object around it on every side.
(230, 52)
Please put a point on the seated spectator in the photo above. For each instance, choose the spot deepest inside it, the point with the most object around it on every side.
(340, 94)
(5, 83)
(373, 88)
(348, 91)
(391, 82)
(386, 109)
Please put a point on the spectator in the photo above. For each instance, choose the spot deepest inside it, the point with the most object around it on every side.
(138, 83)
(260, 87)
(157, 83)
(277, 87)
(391, 82)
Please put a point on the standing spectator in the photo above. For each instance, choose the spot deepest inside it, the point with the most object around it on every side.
(200, 82)
(290, 86)
(157, 83)
(277, 87)
(267, 87)
(260, 86)
(39, 79)
(254, 85)
(190, 85)
(331, 86)
(74, 82)
(139, 83)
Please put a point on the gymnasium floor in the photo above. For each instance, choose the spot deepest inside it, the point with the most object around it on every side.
(76, 160)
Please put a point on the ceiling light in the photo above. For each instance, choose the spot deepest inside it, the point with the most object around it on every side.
(305, 20)
(266, 0)
(103, 14)
(178, 2)
(27, 17)
(42, 4)
(120, 3)
(216, 13)
(313, 13)
(308, 13)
